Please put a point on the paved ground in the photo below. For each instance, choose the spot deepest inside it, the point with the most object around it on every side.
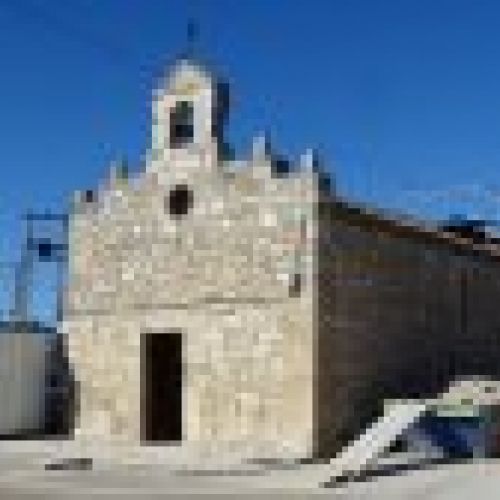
(22, 475)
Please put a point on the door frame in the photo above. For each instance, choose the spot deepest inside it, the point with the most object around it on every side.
(147, 431)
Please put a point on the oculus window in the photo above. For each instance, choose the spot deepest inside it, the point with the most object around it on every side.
(180, 200)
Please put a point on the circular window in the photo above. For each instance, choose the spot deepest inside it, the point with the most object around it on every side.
(180, 200)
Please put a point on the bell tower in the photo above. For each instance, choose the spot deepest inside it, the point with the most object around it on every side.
(188, 115)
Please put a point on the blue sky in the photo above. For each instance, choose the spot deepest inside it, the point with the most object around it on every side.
(401, 97)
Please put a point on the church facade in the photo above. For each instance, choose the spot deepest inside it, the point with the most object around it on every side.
(190, 312)
(228, 304)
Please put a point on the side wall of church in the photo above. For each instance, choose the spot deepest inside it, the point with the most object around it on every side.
(399, 318)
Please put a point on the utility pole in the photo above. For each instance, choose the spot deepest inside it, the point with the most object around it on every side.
(23, 274)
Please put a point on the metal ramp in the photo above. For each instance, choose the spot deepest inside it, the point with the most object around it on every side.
(400, 416)
(354, 459)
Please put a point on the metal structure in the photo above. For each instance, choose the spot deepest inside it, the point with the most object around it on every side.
(45, 240)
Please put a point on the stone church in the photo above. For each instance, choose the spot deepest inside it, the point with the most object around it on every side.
(190, 314)
(241, 304)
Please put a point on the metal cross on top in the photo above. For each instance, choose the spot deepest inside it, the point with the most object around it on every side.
(192, 35)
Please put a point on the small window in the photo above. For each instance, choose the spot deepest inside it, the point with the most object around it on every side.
(181, 124)
(180, 200)
(89, 196)
(295, 285)
(489, 389)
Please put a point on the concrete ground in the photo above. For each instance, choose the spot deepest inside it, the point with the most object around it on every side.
(23, 475)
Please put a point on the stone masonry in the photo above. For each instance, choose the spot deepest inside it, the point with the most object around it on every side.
(234, 275)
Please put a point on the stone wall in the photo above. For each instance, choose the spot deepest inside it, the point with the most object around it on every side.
(247, 379)
(240, 240)
(221, 276)
(399, 316)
